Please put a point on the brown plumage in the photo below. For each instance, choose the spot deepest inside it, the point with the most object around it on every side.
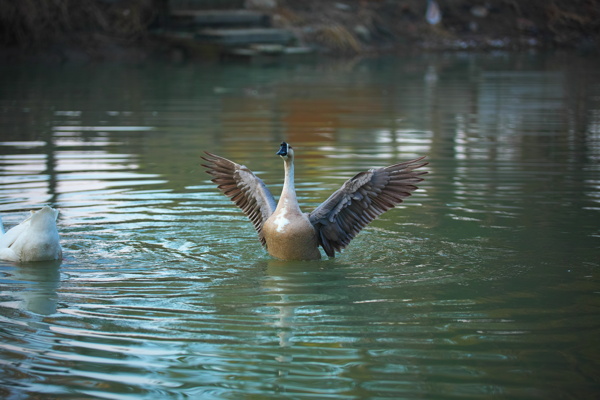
(245, 189)
(288, 233)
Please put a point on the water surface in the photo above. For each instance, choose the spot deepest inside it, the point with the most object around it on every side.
(482, 284)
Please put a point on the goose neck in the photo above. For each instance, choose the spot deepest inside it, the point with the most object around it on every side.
(288, 193)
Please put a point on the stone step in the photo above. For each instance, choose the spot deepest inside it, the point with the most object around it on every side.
(268, 53)
(245, 37)
(204, 4)
(218, 18)
(270, 49)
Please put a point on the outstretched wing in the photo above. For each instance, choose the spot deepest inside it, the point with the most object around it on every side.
(242, 187)
(360, 200)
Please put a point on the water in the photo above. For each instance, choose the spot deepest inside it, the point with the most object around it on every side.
(483, 284)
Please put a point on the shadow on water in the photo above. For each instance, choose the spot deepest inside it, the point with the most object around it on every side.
(40, 281)
(297, 340)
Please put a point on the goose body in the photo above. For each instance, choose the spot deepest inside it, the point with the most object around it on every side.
(287, 232)
(34, 239)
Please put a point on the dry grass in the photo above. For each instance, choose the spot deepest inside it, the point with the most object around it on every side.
(338, 38)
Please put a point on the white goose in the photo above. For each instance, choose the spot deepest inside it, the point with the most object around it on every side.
(290, 234)
(34, 239)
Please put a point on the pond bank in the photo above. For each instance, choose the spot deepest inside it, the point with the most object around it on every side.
(131, 31)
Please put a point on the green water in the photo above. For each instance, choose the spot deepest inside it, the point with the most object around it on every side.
(483, 284)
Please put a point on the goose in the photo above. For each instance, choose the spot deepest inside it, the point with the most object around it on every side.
(34, 239)
(287, 232)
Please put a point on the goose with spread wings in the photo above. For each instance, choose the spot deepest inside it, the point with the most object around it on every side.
(287, 232)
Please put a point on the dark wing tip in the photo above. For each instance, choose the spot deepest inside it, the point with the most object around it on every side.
(211, 156)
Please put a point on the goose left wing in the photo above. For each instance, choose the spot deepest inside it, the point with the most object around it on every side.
(242, 187)
(360, 200)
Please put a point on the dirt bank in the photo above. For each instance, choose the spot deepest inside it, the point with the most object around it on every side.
(73, 30)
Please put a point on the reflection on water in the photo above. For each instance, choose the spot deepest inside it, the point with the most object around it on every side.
(483, 284)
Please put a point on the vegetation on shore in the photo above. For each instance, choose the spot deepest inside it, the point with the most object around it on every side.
(27, 23)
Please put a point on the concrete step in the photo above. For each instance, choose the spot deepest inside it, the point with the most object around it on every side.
(218, 18)
(270, 49)
(245, 37)
(268, 54)
(204, 4)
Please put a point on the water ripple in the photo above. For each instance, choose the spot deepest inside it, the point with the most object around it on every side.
(482, 284)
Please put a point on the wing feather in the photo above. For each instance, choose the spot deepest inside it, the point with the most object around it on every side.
(360, 200)
(242, 187)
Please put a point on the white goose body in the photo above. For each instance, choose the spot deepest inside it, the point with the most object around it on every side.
(34, 239)
(290, 234)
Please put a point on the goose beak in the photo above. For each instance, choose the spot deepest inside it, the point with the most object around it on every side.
(283, 151)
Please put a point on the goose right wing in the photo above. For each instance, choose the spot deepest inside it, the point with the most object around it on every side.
(360, 200)
(245, 189)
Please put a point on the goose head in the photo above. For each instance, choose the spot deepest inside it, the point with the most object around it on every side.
(285, 151)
